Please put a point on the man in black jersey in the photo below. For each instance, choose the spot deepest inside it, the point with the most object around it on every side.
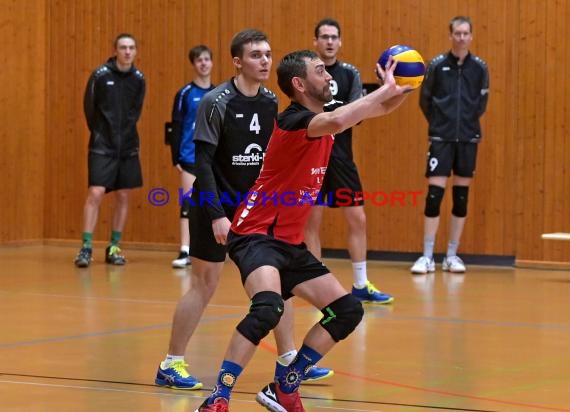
(342, 173)
(233, 126)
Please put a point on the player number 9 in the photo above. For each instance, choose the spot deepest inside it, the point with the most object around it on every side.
(432, 163)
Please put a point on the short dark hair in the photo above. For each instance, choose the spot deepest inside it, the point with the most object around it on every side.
(123, 36)
(326, 22)
(460, 20)
(196, 51)
(244, 37)
(293, 65)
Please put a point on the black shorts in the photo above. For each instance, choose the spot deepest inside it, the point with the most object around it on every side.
(203, 244)
(294, 262)
(443, 157)
(114, 173)
(189, 167)
(341, 186)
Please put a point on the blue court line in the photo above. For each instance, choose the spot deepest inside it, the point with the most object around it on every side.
(207, 319)
(111, 332)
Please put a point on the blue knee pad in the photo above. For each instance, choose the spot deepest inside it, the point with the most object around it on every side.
(460, 198)
(433, 200)
(185, 209)
(264, 314)
(342, 316)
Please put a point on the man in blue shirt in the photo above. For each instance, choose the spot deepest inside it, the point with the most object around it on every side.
(182, 145)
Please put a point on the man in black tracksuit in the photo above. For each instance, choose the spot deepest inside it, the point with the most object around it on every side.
(453, 98)
(112, 104)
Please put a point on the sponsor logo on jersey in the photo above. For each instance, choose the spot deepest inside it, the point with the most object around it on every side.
(252, 156)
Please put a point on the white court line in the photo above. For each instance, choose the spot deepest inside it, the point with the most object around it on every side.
(95, 388)
(160, 394)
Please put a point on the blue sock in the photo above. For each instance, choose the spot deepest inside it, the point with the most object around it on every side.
(291, 380)
(227, 378)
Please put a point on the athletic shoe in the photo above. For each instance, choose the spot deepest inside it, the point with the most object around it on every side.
(423, 265)
(453, 264)
(219, 405)
(113, 255)
(177, 377)
(181, 261)
(276, 401)
(314, 374)
(83, 258)
(369, 293)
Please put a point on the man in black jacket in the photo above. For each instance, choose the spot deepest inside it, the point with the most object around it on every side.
(113, 103)
(453, 98)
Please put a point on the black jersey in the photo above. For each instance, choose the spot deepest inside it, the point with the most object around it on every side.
(346, 87)
(239, 126)
(113, 104)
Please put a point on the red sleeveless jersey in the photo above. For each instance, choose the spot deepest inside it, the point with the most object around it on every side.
(279, 203)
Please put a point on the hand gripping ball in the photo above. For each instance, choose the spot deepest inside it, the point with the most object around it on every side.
(411, 67)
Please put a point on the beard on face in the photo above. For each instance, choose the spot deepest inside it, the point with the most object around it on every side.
(323, 95)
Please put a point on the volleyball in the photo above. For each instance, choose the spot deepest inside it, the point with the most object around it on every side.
(411, 67)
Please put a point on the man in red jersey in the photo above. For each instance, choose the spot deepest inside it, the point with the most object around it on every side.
(266, 235)
(233, 126)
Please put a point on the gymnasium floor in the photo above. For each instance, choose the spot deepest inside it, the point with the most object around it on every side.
(495, 339)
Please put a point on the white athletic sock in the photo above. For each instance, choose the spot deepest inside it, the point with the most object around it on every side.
(429, 243)
(359, 272)
(452, 248)
(287, 358)
(169, 359)
(185, 248)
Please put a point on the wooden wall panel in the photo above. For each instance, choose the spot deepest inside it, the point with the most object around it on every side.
(521, 186)
(164, 36)
(542, 128)
(22, 119)
(391, 151)
(531, 127)
(557, 160)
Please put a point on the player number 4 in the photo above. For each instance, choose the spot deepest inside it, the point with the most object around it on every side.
(254, 124)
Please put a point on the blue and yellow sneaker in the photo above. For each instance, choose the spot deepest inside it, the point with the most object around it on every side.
(176, 377)
(314, 374)
(369, 293)
(84, 257)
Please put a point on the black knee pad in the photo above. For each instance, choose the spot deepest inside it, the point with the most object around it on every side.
(342, 316)
(185, 208)
(460, 197)
(433, 200)
(264, 313)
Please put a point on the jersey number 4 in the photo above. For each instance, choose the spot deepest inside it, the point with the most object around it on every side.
(254, 125)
